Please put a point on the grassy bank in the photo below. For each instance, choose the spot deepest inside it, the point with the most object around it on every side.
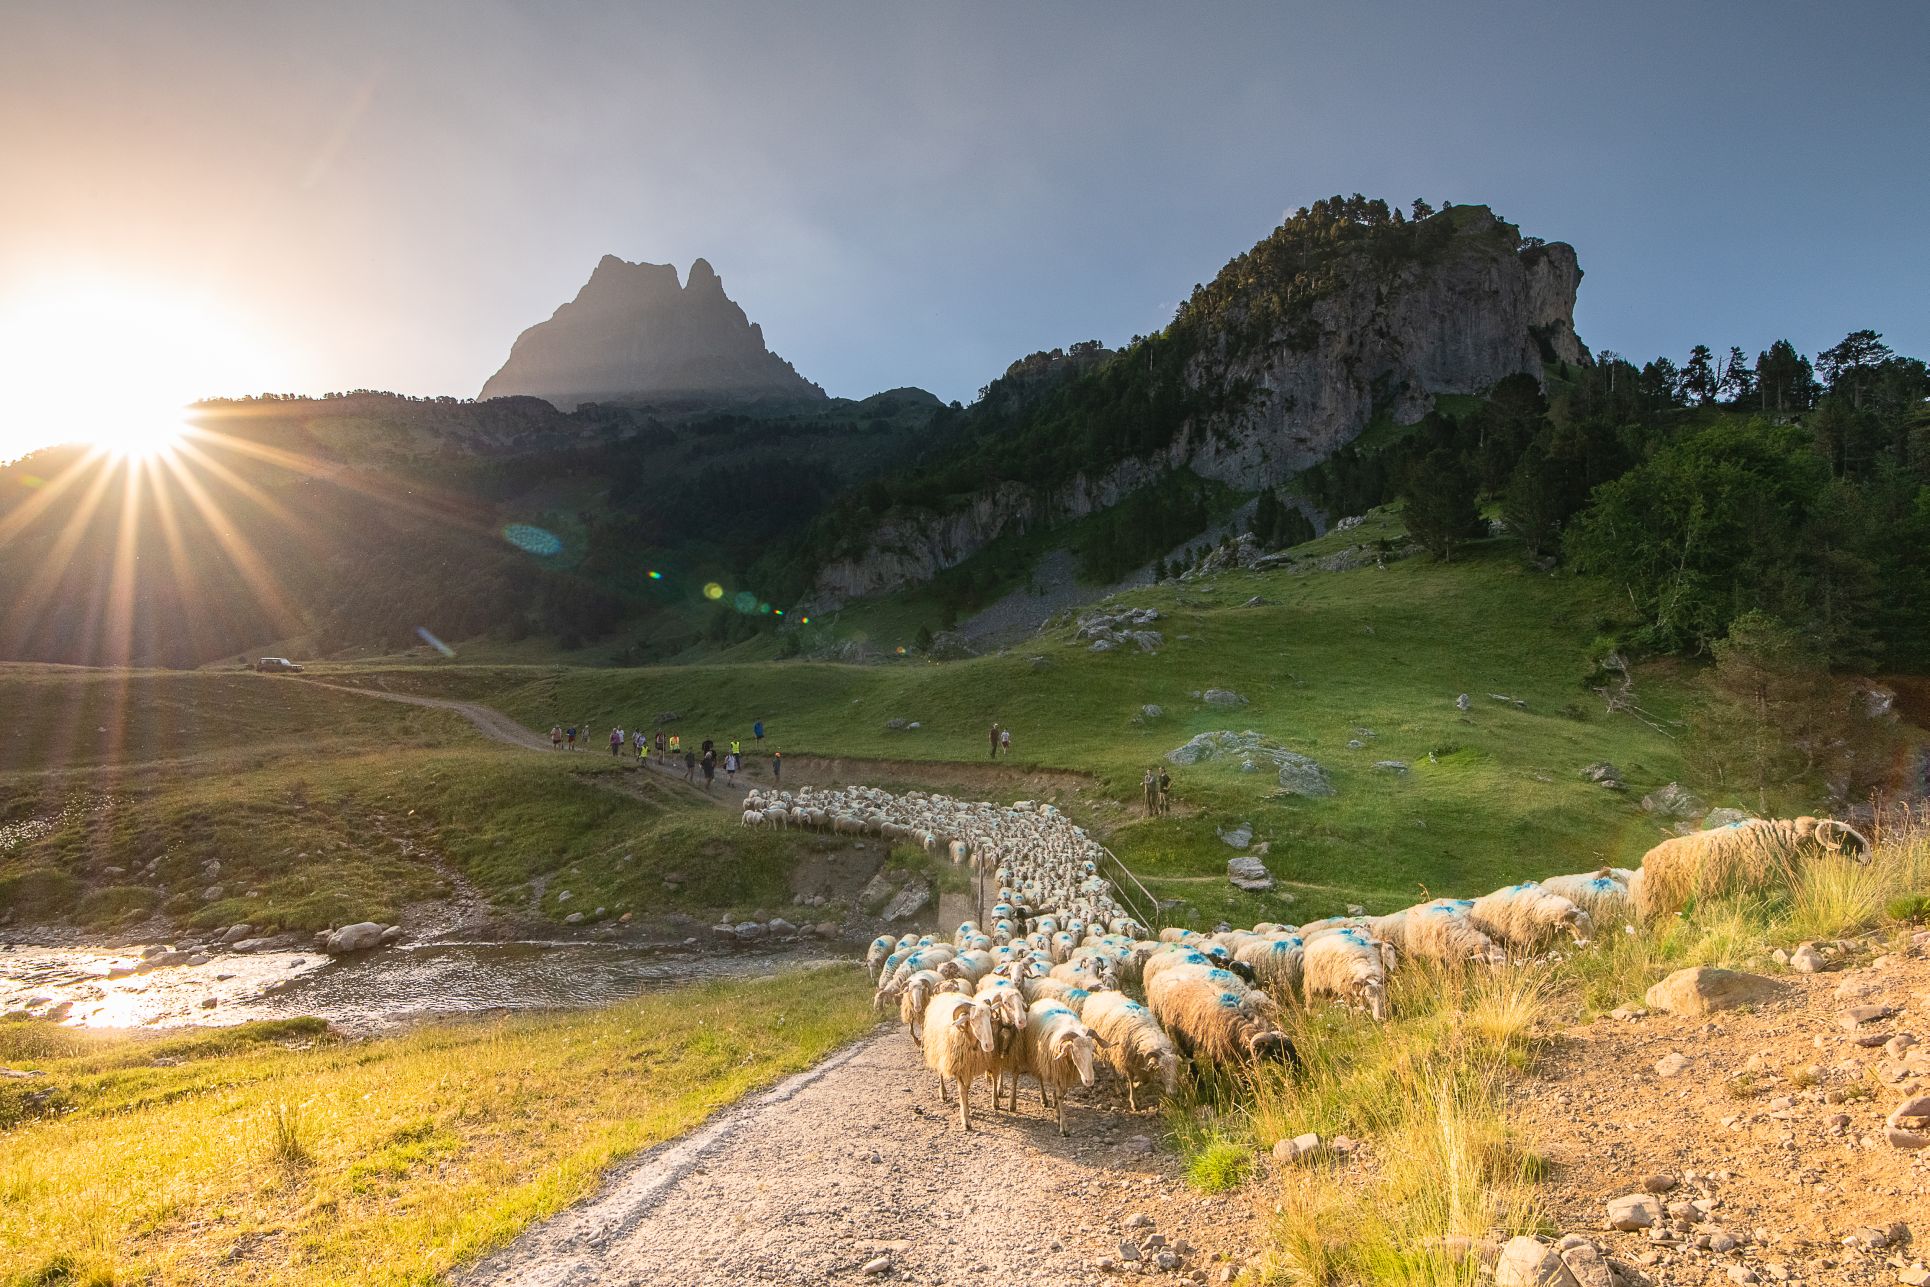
(1426, 1092)
(1373, 656)
(274, 1154)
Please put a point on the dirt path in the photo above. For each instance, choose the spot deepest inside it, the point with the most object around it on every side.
(817, 1179)
(492, 724)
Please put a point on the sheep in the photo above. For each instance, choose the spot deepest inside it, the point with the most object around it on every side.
(1133, 1043)
(1087, 972)
(971, 965)
(874, 957)
(958, 1046)
(1348, 965)
(1525, 918)
(1009, 1015)
(1744, 855)
(1442, 931)
(1058, 1051)
(1046, 988)
(1169, 958)
(958, 851)
(1275, 963)
(920, 988)
(1211, 1014)
(1603, 895)
(754, 818)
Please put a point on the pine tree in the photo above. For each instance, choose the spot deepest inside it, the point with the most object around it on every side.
(1438, 503)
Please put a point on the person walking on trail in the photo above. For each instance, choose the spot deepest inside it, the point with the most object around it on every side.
(757, 730)
(1165, 785)
(710, 768)
(731, 763)
(995, 741)
(1005, 742)
(777, 766)
(556, 737)
(1151, 785)
(736, 747)
(660, 746)
(676, 747)
(690, 766)
(636, 739)
(569, 735)
(616, 741)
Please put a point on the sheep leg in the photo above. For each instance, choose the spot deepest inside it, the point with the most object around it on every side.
(943, 1098)
(1132, 1105)
(1062, 1112)
(965, 1103)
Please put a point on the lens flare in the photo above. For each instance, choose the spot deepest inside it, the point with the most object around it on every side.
(533, 540)
(434, 642)
(713, 591)
(655, 575)
(744, 601)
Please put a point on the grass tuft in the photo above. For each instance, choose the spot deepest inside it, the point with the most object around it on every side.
(287, 1143)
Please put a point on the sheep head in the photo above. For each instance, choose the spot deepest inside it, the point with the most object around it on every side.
(974, 1019)
(1578, 924)
(1073, 1044)
(1268, 1044)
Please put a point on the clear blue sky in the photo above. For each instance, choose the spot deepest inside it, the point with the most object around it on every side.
(917, 193)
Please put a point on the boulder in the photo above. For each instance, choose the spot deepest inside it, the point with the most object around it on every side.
(1704, 989)
(1604, 775)
(781, 928)
(1301, 775)
(1530, 1262)
(1239, 836)
(1298, 1149)
(827, 929)
(896, 725)
(1908, 1125)
(1249, 874)
(1391, 766)
(1724, 818)
(1586, 1262)
(391, 935)
(247, 945)
(1807, 960)
(1672, 801)
(1463, 702)
(574, 918)
(907, 902)
(235, 933)
(1151, 710)
(1222, 697)
(748, 931)
(359, 937)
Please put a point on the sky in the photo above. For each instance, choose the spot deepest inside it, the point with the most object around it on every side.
(309, 197)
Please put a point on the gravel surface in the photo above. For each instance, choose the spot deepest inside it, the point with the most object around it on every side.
(853, 1172)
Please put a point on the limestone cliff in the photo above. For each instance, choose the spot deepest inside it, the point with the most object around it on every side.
(633, 333)
(1288, 356)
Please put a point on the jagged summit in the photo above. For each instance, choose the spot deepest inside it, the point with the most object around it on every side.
(633, 333)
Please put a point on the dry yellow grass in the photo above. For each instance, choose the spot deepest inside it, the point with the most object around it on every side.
(382, 1161)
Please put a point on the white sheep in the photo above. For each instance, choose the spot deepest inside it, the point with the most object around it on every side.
(1444, 932)
(1525, 918)
(1602, 894)
(959, 1045)
(1348, 965)
(1133, 1043)
(1275, 964)
(1211, 1013)
(1058, 1052)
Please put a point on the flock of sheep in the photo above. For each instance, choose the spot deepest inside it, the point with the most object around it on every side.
(1042, 992)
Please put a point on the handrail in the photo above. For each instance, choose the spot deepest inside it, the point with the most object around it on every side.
(1149, 918)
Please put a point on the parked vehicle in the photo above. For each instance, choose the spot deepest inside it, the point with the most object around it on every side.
(277, 666)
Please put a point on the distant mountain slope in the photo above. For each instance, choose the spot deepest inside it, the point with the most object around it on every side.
(1347, 314)
(632, 333)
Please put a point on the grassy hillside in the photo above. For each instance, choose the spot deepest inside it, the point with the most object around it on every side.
(323, 807)
(1490, 795)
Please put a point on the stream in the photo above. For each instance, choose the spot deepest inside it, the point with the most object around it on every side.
(359, 994)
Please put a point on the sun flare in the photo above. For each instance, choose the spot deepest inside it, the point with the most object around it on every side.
(115, 365)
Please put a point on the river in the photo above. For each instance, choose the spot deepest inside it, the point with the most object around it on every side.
(359, 994)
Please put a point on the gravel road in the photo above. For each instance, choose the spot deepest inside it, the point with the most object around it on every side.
(852, 1172)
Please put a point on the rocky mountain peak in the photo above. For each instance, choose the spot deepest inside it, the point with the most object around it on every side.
(634, 333)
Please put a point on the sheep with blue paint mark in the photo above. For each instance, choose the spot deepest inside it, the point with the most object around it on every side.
(1347, 965)
(1602, 893)
(1526, 919)
(1058, 1051)
(1132, 1041)
(1275, 963)
(1443, 931)
(959, 1046)
(1212, 1014)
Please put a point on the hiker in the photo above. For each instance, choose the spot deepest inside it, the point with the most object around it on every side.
(777, 766)
(757, 730)
(730, 767)
(676, 747)
(637, 739)
(616, 741)
(708, 746)
(710, 767)
(556, 737)
(1005, 742)
(736, 747)
(660, 746)
(1151, 785)
(569, 735)
(995, 740)
(690, 765)
(1165, 791)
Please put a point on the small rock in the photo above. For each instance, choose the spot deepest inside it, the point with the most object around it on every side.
(1915, 1276)
(1806, 959)
(1634, 1211)
(1128, 1251)
(1858, 1015)
(1660, 1182)
(1297, 1149)
(1670, 1065)
(1166, 1260)
(1742, 1274)
(1704, 989)
(1152, 710)
(876, 1266)
(1222, 697)
(208, 1003)
(1529, 1262)
(1138, 1220)
(1463, 703)
(1908, 1125)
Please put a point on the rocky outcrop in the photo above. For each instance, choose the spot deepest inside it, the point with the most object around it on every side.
(633, 333)
(1385, 342)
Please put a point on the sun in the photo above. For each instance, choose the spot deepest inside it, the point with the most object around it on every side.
(114, 365)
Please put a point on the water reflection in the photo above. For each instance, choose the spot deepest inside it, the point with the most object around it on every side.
(95, 988)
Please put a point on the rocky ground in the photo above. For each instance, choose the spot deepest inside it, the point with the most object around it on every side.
(854, 1172)
(1759, 1131)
